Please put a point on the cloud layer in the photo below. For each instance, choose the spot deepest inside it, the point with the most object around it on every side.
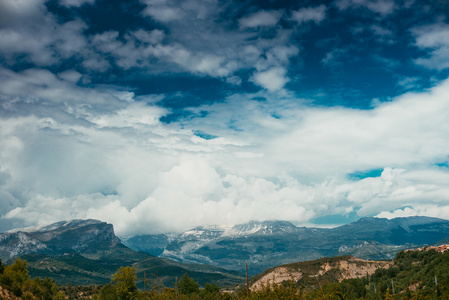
(128, 168)
(213, 113)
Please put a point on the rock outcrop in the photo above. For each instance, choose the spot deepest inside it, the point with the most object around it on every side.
(335, 269)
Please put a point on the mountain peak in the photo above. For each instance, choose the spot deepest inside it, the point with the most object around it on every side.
(57, 238)
(204, 232)
(264, 227)
(75, 223)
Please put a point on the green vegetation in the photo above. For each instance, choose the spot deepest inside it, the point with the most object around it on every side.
(414, 275)
(98, 268)
(16, 279)
(123, 287)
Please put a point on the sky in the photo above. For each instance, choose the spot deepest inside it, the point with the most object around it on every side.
(160, 115)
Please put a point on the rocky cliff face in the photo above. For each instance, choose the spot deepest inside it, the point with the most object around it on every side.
(58, 238)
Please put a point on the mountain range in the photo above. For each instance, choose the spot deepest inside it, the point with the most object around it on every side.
(73, 236)
(270, 243)
(88, 252)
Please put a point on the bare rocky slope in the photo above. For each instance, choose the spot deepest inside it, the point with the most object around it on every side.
(320, 270)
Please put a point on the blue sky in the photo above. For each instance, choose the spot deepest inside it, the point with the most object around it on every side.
(161, 115)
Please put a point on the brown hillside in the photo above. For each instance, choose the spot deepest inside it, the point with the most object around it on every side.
(319, 271)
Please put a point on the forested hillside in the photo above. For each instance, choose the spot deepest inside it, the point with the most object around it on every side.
(420, 274)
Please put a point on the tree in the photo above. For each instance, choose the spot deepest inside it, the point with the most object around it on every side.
(125, 283)
(187, 285)
(210, 291)
(15, 276)
(108, 292)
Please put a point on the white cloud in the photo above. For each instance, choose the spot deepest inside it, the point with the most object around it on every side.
(42, 40)
(218, 52)
(12, 11)
(384, 35)
(435, 39)
(164, 13)
(260, 19)
(435, 211)
(69, 151)
(133, 116)
(409, 82)
(75, 3)
(38, 85)
(152, 37)
(432, 36)
(382, 7)
(381, 31)
(170, 11)
(70, 75)
(273, 79)
(315, 14)
(334, 57)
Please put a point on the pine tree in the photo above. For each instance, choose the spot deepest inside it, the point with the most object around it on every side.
(187, 285)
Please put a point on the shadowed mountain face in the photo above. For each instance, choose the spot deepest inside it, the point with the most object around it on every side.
(152, 244)
(266, 244)
(88, 252)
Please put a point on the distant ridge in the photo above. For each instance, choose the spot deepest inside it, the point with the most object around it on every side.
(269, 243)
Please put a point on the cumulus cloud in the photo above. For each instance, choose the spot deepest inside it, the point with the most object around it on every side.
(382, 7)
(73, 148)
(409, 82)
(315, 14)
(75, 3)
(435, 211)
(42, 41)
(12, 11)
(218, 52)
(273, 79)
(40, 85)
(260, 19)
(163, 11)
(435, 39)
(171, 11)
(265, 161)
